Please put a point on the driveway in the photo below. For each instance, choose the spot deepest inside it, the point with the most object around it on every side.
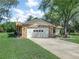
(62, 49)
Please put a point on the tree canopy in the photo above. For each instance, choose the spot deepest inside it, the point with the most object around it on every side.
(5, 6)
(8, 26)
(67, 9)
(8, 3)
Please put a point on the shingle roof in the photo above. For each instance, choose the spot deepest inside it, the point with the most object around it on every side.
(36, 23)
(39, 22)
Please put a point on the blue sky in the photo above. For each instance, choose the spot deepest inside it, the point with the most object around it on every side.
(26, 8)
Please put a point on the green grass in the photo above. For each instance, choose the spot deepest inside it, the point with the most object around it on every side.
(74, 38)
(12, 48)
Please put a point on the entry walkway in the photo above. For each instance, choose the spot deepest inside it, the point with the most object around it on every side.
(63, 49)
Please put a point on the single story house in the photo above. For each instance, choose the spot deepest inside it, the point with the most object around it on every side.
(37, 29)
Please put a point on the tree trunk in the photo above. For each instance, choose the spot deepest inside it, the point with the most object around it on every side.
(65, 28)
(65, 32)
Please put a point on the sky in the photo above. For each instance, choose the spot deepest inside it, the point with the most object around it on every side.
(25, 8)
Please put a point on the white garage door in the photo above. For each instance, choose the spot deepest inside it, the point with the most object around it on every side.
(37, 33)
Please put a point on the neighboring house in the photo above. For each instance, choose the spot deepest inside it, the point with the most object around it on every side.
(37, 29)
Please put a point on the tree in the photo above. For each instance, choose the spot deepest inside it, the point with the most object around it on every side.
(9, 26)
(76, 26)
(5, 6)
(30, 18)
(52, 17)
(67, 9)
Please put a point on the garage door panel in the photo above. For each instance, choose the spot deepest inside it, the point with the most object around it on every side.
(38, 33)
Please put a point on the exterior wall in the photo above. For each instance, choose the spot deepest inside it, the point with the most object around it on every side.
(57, 31)
(50, 32)
(24, 32)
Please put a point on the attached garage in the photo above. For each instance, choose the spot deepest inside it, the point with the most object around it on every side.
(37, 33)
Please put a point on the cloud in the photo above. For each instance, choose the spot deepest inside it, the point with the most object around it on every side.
(32, 3)
(37, 13)
(4, 17)
(18, 15)
(18, 11)
(13, 19)
(22, 15)
(19, 18)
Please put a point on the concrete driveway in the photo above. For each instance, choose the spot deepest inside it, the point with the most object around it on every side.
(63, 49)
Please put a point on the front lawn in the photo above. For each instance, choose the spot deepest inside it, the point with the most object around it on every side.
(74, 38)
(12, 48)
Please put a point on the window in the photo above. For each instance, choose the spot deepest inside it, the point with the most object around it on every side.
(34, 31)
(41, 30)
(37, 30)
